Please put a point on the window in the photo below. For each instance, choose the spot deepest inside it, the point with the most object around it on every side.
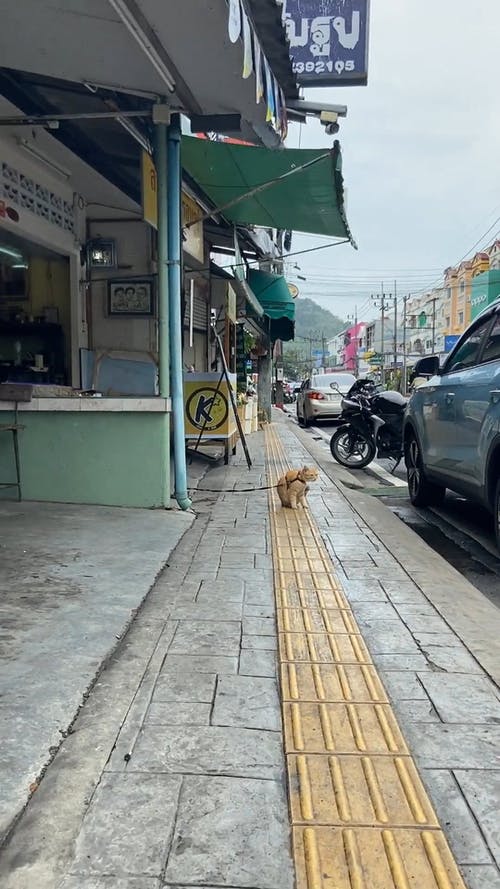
(468, 351)
(447, 321)
(460, 317)
(492, 347)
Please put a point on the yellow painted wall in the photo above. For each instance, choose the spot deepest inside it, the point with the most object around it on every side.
(48, 284)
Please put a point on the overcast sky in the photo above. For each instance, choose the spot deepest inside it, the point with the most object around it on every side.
(421, 152)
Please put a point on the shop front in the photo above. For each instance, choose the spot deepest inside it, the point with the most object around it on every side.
(93, 429)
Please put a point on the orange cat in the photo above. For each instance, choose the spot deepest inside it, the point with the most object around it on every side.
(293, 488)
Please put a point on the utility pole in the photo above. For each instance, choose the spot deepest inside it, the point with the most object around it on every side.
(395, 328)
(433, 325)
(323, 351)
(356, 359)
(382, 336)
(405, 300)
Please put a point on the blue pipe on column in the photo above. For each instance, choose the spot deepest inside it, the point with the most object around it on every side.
(174, 179)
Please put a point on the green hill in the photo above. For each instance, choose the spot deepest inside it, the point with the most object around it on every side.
(312, 322)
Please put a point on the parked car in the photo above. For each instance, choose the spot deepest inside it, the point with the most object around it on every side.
(320, 397)
(451, 430)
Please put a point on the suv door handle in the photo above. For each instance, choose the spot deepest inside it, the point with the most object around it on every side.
(450, 397)
(495, 395)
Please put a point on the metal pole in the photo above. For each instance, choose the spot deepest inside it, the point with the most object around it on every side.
(405, 300)
(382, 346)
(433, 325)
(356, 356)
(395, 329)
(175, 319)
(160, 135)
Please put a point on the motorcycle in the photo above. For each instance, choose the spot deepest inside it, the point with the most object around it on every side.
(371, 426)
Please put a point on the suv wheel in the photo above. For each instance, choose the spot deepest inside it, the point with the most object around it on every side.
(496, 513)
(422, 492)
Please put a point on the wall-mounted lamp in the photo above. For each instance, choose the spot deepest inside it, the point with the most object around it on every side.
(101, 253)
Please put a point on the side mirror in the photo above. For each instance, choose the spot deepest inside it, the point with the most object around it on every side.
(427, 367)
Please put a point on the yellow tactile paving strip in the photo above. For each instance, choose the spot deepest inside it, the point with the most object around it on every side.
(361, 818)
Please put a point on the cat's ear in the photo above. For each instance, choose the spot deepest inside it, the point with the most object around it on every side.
(304, 469)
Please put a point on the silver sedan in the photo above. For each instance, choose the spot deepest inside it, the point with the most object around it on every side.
(320, 398)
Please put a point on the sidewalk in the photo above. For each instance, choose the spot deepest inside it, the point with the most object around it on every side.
(175, 772)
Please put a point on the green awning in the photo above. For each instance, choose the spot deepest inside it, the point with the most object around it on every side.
(274, 296)
(310, 200)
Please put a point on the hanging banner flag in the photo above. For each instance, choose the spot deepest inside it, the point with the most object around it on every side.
(278, 110)
(284, 124)
(234, 27)
(259, 84)
(328, 41)
(247, 46)
(269, 91)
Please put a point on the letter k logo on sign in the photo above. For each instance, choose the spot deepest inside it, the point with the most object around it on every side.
(202, 414)
(207, 408)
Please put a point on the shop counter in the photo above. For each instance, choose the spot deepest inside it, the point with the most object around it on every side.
(105, 451)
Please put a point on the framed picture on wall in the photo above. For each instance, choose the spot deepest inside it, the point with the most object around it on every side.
(131, 296)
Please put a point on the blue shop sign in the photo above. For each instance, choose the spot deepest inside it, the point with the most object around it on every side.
(450, 342)
(328, 41)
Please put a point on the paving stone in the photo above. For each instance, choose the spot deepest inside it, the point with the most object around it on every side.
(369, 611)
(219, 611)
(254, 662)
(201, 663)
(259, 594)
(481, 877)
(414, 609)
(450, 659)
(482, 792)
(221, 592)
(266, 643)
(414, 711)
(388, 637)
(231, 832)
(463, 834)
(208, 750)
(259, 611)
(263, 560)
(257, 575)
(81, 882)
(168, 713)
(259, 626)
(364, 592)
(113, 842)
(247, 702)
(398, 662)
(464, 699)
(454, 746)
(444, 640)
(195, 637)
(404, 592)
(426, 624)
(403, 686)
(239, 560)
(183, 687)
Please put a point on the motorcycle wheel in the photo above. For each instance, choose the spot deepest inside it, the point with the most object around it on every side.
(351, 449)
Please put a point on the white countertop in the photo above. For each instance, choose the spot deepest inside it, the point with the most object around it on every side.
(92, 405)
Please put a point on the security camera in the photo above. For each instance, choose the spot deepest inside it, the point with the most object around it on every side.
(329, 119)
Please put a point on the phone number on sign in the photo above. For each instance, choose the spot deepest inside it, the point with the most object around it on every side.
(320, 67)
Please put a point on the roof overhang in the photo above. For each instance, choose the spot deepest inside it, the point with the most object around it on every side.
(299, 189)
(179, 50)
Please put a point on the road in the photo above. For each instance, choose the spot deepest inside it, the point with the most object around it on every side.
(461, 533)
